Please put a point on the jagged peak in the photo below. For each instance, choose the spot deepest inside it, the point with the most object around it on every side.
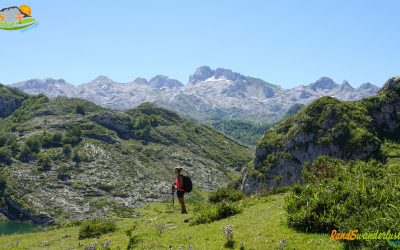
(323, 83)
(205, 72)
(160, 81)
(102, 78)
(202, 73)
(346, 86)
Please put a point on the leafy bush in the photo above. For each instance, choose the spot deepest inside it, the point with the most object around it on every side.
(80, 109)
(73, 136)
(214, 212)
(96, 228)
(45, 162)
(25, 153)
(225, 194)
(3, 183)
(34, 143)
(67, 150)
(49, 140)
(5, 155)
(7, 139)
(347, 196)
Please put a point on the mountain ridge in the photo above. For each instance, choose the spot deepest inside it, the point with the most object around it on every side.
(210, 95)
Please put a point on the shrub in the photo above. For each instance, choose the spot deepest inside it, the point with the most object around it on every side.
(5, 155)
(44, 161)
(67, 150)
(34, 143)
(80, 109)
(73, 136)
(3, 182)
(225, 194)
(347, 196)
(7, 139)
(25, 153)
(214, 212)
(96, 228)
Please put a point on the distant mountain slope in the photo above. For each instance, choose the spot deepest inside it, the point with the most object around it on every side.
(209, 95)
(344, 130)
(67, 158)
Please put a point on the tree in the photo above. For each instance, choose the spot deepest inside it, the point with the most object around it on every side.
(57, 139)
(5, 155)
(3, 183)
(34, 144)
(73, 135)
(77, 158)
(45, 162)
(25, 153)
(80, 109)
(67, 149)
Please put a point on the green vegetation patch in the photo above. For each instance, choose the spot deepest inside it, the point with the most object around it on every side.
(96, 228)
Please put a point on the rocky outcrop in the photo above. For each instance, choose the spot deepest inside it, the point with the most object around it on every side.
(329, 127)
(13, 211)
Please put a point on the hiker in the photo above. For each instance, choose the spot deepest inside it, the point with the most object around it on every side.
(178, 185)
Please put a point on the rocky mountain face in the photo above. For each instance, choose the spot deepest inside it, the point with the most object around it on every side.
(68, 159)
(209, 95)
(327, 126)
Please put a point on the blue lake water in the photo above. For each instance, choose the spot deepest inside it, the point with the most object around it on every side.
(11, 227)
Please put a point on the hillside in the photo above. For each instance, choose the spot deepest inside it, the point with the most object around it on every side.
(343, 130)
(66, 158)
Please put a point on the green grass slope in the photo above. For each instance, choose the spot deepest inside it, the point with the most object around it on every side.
(262, 225)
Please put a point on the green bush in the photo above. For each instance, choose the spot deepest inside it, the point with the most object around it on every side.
(50, 140)
(214, 212)
(3, 183)
(25, 153)
(5, 155)
(96, 228)
(80, 109)
(34, 143)
(67, 150)
(347, 196)
(225, 194)
(45, 162)
(7, 139)
(73, 136)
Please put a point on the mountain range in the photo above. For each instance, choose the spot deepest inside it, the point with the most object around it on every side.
(209, 95)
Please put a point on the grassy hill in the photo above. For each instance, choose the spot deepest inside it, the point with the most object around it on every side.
(63, 159)
(262, 225)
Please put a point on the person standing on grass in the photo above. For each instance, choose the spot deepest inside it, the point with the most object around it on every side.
(180, 192)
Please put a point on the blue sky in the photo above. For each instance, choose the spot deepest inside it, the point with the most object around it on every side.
(283, 42)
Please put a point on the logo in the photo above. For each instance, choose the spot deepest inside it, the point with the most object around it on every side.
(16, 18)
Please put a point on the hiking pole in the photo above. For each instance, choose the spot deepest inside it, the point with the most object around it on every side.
(173, 198)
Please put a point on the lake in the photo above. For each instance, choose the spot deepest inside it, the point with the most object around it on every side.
(11, 227)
